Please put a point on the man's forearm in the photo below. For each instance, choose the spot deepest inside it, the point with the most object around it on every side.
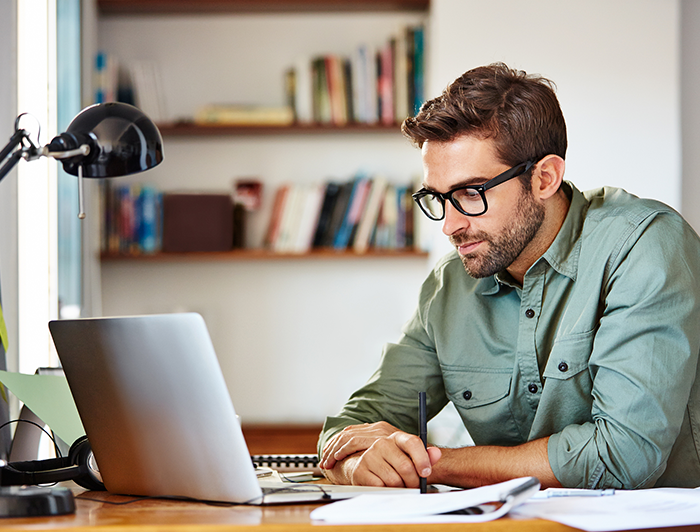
(481, 465)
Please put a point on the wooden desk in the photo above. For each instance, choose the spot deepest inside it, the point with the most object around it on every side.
(160, 515)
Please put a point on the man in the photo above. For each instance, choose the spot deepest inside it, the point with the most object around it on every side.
(570, 345)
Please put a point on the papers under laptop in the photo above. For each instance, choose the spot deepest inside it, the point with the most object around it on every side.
(158, 415)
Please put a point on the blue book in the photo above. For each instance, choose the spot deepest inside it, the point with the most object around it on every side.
(148, 234)
(343, 237)
(418, 69)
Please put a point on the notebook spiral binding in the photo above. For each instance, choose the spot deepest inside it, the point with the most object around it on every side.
(287, 463)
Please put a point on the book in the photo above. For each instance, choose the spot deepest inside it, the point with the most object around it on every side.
(149, 94)
(402, 108)
(303, 93)
(105, 78)
(418, 68)
(343, 236)
(235, 114)
(338, 214)
(332, 190)
(150, 230)
(335, 77)
(385, 73)
(289, 219)
(288, 463)
(385, 235)
(197, 222)
(321, 97)
(131, 219)
(311, 203)
(273, 226)
(365, 84)
(370, 215)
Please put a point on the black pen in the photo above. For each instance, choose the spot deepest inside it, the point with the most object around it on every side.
(423, 433)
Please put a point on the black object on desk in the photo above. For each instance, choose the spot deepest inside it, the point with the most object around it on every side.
(423, 433)
(34, 502)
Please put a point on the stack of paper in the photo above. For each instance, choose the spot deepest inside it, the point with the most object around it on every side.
(475, 505)
(625, 510)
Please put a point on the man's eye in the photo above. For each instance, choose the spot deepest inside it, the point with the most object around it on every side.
(468, 194)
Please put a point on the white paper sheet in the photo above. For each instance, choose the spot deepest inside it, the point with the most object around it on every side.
(426, 508)
(625, 510)
(49, 397)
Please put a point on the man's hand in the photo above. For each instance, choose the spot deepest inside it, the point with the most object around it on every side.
(377, 454)
(353, 439)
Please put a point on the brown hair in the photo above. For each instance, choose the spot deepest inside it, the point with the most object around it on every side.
(520, 112)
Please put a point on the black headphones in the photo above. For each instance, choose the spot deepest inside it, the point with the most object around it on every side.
(79, 466)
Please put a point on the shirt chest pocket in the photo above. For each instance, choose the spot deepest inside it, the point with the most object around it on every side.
(569, 357)
(482, 397)
(472, 388)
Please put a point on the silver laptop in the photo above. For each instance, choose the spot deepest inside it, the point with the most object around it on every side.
(158, 415)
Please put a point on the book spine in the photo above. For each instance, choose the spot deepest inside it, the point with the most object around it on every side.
(418, 68)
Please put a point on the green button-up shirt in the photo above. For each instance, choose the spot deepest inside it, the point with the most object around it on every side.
(598, 348)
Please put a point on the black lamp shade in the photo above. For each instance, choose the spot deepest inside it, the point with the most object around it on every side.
(122, 141)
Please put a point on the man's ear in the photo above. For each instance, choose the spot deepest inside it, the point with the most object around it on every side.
(548, 176)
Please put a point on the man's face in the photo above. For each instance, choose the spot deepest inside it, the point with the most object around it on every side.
(492, 242)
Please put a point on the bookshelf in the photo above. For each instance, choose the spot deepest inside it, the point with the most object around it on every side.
(263, 254)
(191, 129)
(269, 313)
(255, 6)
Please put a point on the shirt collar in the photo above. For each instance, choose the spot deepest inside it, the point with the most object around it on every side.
(563, 254)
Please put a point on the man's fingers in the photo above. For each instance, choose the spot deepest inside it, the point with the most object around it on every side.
(387, 463)
(386, 456)
(435, 454)
(413, 447)
(353, 439)
(342, 448)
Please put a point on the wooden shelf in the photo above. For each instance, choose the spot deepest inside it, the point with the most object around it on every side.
(265, 255)
(189, 129)
(123, 7)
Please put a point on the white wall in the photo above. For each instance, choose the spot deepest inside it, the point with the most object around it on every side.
(615, 63)
(8, 187)
(690, 104)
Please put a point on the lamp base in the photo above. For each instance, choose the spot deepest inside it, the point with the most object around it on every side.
(18, 501)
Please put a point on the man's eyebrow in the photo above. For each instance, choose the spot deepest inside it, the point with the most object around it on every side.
(465, 182)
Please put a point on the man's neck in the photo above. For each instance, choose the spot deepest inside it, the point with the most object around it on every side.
(557, 208)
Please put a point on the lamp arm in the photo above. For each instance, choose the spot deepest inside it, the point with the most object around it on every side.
(16, 140)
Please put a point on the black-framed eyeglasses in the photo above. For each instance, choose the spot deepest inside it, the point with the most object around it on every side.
(470, 200)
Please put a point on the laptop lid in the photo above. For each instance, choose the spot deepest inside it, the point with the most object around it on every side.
(158, 415)
(155, 406)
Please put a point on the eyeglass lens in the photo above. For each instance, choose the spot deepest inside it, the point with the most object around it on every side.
(469, 200)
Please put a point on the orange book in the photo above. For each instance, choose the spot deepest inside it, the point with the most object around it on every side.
(273, 227)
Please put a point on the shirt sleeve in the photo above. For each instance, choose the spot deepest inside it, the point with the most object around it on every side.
(643, 363)
(407, 367)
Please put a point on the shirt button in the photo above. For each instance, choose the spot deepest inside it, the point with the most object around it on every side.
(529, 313)
(563, 367)
(467, 395)
(532, 388)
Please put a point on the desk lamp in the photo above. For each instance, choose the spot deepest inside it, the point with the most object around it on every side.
(103, 140)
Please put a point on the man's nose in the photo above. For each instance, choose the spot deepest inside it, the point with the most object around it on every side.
(454, 220)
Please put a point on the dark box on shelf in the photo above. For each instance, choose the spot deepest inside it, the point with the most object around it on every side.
(197, 222)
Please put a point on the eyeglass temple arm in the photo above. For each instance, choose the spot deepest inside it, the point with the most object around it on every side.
(516, 171)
